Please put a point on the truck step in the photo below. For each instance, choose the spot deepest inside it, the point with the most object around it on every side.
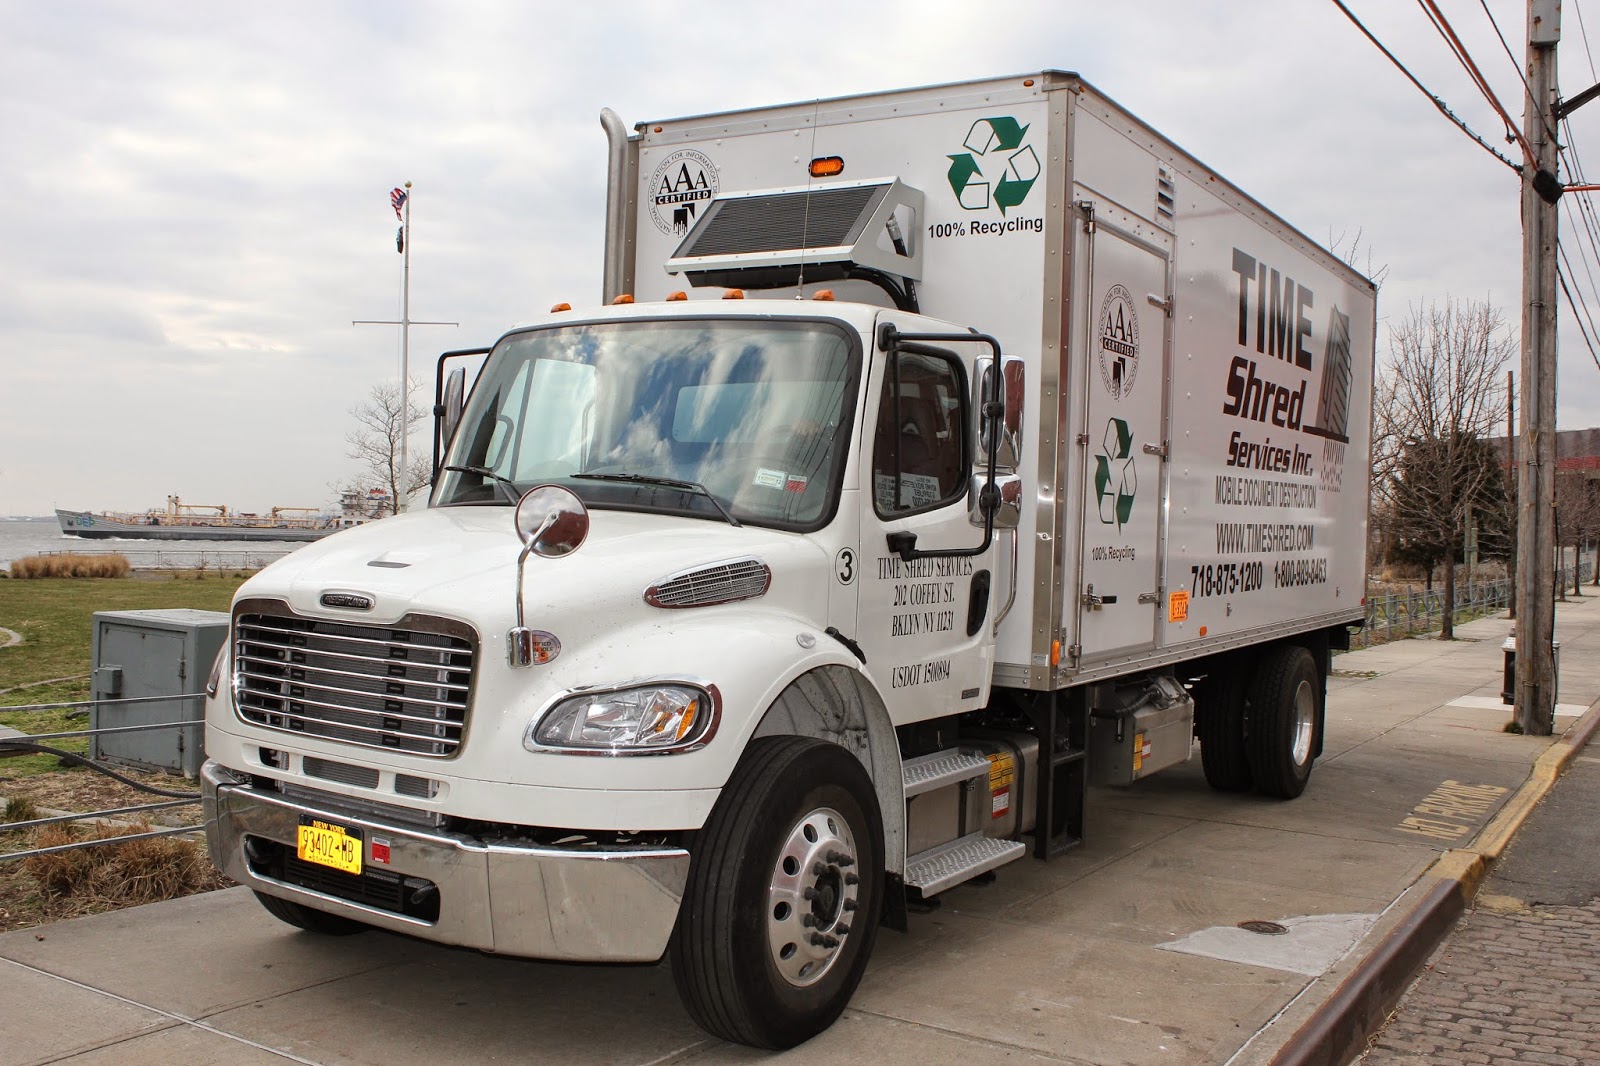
(928, 772)
(939, 868)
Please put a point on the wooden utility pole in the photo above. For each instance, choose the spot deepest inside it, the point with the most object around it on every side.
(1536, 458)
(1511, 482)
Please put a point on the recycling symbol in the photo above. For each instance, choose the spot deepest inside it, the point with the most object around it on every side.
(998, 143)
(1116, 503)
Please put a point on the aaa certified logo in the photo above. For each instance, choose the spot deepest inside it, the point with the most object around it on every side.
(1119, 341)
(680, 189)
(1115, 479)
(996, 169)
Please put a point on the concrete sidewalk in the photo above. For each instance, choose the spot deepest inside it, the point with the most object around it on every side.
(1126, 950)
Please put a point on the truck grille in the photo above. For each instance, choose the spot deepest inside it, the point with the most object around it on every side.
(401, 688)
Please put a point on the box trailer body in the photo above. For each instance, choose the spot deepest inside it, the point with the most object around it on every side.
(1208, 366)
(735, 623)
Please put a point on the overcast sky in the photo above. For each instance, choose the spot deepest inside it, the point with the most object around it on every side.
(194, 196)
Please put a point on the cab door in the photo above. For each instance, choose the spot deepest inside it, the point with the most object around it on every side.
(925, 623)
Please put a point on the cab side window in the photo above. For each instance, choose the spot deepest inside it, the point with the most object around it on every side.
(920, 449)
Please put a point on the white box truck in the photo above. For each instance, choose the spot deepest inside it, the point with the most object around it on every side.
(736, 625)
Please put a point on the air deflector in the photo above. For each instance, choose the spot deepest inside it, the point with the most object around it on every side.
(776, 237)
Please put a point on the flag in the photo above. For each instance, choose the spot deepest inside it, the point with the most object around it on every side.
(400, 239)
(398, 199)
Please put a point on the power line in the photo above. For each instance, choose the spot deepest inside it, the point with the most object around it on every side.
(1518, 66)
(1578, 305)
(1584, 31)
(1442, 24)
(1443, 107)
(1562, 278)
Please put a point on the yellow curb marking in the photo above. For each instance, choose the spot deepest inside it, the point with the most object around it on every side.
(1455, 801)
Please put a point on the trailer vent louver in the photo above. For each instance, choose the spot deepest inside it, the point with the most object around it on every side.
(1166, 195)
(777, 237)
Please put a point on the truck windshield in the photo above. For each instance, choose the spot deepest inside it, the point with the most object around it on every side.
(757, 412)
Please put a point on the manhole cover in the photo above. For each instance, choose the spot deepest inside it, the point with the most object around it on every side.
(1265, 928)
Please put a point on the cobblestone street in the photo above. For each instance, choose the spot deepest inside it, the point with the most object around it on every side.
(1506, 987)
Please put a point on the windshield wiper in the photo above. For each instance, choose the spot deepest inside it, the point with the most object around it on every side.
(504, 484)
(665, 482)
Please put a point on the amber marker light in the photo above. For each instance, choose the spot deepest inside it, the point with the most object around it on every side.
(561, 307)
(1202, 631)
(733, 294)
(625, 298)
(827, 166)
(1055, 653)
(674, 297)
(826, 295)
(1027, 83)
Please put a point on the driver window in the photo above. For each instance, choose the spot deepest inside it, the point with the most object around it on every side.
(920, 447)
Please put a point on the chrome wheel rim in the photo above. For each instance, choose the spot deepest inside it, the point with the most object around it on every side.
(1305, 716)
(815, 890)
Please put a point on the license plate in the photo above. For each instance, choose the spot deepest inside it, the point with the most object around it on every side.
(329, 845)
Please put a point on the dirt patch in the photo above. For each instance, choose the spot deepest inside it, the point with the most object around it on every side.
(86, 790)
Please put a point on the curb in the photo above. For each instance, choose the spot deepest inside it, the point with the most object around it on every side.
(1337, 1031)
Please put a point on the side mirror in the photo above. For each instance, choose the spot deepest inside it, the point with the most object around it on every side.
(551, 522)
(1007, 387)
(447, 415)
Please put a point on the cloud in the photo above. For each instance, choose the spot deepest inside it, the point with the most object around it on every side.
(195, 195)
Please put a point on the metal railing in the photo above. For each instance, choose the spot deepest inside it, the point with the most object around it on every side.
(25, 742)
(1405, 614)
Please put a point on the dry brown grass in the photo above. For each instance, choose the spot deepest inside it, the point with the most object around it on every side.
(118, 875)
(71, 564)
(19, 810)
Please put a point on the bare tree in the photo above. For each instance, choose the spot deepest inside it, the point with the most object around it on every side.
(1577, 519)
(1442, 395)
(375, 441)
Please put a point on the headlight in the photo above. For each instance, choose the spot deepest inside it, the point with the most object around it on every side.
(641, 720)
(215, 680)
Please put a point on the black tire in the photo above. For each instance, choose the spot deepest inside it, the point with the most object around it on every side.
(1285, 707)
(1220, 700)
(742, 911)
(314, 921)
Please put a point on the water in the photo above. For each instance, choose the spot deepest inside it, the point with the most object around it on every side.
(35, 536)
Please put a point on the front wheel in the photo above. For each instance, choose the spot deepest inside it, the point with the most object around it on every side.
(781, 907)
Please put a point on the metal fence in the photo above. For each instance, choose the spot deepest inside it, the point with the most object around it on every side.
(186, 558)
(1407, 614)
(33, 742)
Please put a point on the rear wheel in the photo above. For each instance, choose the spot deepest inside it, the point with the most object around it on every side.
(785, 886)
(1285, 696)
(1221, 728)
(315, 921)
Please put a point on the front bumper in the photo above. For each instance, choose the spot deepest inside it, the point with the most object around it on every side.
(585, 904)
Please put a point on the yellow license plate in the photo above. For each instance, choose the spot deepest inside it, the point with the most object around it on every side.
(329, 845)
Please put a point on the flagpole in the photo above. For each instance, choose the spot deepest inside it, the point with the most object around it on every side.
(405, 362)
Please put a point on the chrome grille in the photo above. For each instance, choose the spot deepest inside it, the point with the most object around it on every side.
(738, 579)
(399, 688)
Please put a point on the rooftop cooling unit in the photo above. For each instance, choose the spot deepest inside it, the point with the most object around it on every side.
(778, 237)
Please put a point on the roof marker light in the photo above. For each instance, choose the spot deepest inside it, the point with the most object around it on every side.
(625, 298)
(733, 294)
(561, 307)
(675, 296)
(825, 295)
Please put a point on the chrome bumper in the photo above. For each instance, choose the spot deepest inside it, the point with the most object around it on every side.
(589, 905)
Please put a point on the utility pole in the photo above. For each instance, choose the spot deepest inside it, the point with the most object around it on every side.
(1541, 189)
